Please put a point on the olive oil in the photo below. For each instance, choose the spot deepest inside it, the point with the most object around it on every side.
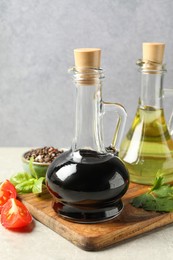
(148, 148)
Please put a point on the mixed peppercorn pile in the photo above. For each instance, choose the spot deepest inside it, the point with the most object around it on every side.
(43, 155)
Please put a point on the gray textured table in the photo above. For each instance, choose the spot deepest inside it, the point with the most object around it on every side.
(42, 243)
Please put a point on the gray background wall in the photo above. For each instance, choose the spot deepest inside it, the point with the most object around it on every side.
(37, 38)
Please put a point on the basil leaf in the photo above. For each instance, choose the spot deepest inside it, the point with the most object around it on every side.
(37, 188)
(25, 186)
(20, 177)
(34, 174)
(28, 182)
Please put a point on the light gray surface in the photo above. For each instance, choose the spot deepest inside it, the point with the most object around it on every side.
(37, 39)
(42, 243)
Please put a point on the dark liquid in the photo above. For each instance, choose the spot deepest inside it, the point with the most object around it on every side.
(87, 186)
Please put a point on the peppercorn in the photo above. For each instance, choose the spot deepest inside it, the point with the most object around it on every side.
(43, 155)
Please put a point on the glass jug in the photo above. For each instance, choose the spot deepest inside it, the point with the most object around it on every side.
(147, 149)
(87, 182)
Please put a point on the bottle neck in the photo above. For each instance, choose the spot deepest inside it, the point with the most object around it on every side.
(152, 74)
(88, 125)
(151, 90)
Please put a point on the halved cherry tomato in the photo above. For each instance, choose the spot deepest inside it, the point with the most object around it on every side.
(7, 191)
(14, 214)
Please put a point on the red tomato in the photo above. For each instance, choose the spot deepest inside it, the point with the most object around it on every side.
(14, 214)
(7, 191)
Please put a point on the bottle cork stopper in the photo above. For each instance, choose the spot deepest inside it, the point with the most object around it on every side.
(87, 57)
(153, 52)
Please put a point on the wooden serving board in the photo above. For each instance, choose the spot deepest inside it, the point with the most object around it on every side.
(130, 223)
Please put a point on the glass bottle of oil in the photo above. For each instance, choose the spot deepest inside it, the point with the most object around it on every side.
(148, 147)
(87, 182)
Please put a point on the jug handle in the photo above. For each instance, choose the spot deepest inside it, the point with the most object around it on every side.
(168, 93)
(119, 130)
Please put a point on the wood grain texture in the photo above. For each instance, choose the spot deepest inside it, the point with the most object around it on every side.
(93, 237)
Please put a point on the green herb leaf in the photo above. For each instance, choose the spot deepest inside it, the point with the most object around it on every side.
(25, 186)
(164, 191)
(158, 182)
(28, 182)
(140, 201)
(148, 202)
(37, 188)
(34, 174)
(159, 197)
(20, 177)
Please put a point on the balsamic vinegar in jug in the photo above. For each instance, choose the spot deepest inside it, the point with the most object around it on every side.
(89, 186)
(87, 182)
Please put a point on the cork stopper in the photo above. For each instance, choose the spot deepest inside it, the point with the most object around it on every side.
(87, 57)
(153, 52)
